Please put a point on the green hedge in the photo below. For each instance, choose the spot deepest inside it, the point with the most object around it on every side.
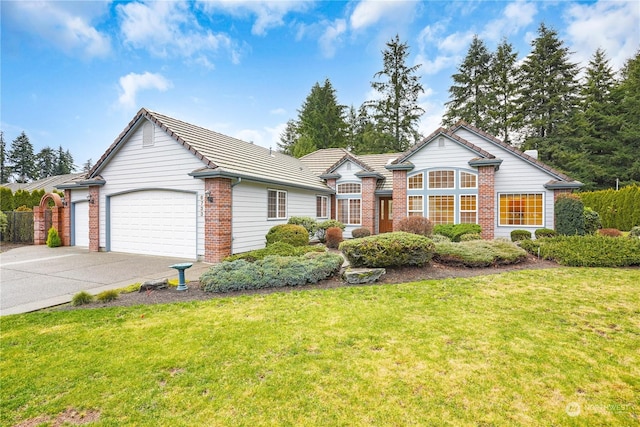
(587, 251)
(388, 250)
(272, 271)
(292, 234)
(455, 231)
(479, 253)
(618, 209)
(278, 248)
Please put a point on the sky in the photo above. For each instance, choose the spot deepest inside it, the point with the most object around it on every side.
(75, 73)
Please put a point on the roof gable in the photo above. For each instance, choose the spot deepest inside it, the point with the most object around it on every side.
(220, 154)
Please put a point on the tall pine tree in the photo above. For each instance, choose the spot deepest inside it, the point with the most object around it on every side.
(5, 171)
(22, 159)
(504, 120)
(46, 163)
(627, 95)
(397, 113)
(470, 92)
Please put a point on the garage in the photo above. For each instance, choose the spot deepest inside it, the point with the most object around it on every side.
(81, 224)
(153, 222)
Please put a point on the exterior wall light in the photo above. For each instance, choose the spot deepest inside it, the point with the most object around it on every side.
(90, 198)
(209, 196)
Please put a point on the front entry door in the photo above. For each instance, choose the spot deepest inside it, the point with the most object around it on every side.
(385, 223)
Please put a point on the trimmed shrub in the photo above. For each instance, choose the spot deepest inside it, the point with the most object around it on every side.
(278, 248)
(416, 225)
(360, 232)
(455, 231)
(295, 235)
(635, 232)
(609, 232)
(334, 237)
(617, 208)
(517, 235)
(324, 225)
(107, 296)
(587, 251)
(310, 224)
(592, 221)
(272, 271)
(479, 253)
(545, 232)
(388, 250)
(81, 298)
(440, 238)
(4, 222)
(470, 236)
(569, 212)
(53, 238)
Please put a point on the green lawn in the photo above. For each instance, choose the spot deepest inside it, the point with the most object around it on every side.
(521, 348)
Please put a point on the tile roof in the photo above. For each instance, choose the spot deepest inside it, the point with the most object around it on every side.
(47, 184)
(223, 155)
(320, 161)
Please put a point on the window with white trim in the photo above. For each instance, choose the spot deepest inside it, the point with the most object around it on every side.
(442, 179)
(322, 207)
(276, 204)
(415, 182)
(441, 209)
(521, 209)
(468, 209)
(349, 211)
(349, 188)
(468, 180)
(416, 206)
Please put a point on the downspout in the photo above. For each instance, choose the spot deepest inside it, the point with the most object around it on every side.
(233, 185)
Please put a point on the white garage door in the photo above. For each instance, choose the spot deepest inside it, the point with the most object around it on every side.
(81, 223)
(155, 223)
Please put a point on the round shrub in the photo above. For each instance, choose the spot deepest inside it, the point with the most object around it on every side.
(635, 232)
(570, 219)
(360, 232)
(416, 225)
(334, 237)
(609, 232)
(310, 224)
(517, 235)
(295, 235)
(321, 233)
(545, 232)
(592, 222)
(81, 298)
(470, 236)
(389, 250)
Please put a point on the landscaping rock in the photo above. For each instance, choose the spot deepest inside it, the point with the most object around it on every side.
(154, 284)
(358, 276)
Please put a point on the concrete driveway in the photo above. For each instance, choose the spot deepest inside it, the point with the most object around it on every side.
(36, 277)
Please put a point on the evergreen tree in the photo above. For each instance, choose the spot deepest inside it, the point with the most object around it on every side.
(5, 171)
(46, 163)
(397, 113)
(289, 137)
(65, 162)
(470, 93)
(87, 165)
(548, 86)
(504, 89)
(22, 159)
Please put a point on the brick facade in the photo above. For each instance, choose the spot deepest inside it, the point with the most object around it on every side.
(486, 201)
(217, 224)
(59, 220)
(399, 197)
(94, 219)
(368, 201)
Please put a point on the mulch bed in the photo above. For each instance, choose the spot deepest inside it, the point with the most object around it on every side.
(392, 276)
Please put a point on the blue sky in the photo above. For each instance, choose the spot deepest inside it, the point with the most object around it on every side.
(74, 73)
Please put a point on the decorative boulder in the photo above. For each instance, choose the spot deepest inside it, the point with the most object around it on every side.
(151, 285)
(358, 276)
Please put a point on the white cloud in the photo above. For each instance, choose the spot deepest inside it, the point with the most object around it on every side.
(612, 26)
(170, 28)
(516, 16)
(132, 83)
(370, 12)
(331, 37)
(278, 111)
(269, 14)
(66, 25)
(249, 135)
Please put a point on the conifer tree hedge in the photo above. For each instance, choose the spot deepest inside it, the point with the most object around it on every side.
(618, 209)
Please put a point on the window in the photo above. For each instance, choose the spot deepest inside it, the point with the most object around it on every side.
(468, 180)
(521, 209)
(416, 206)
(322, 206)
(147, 134)
(349, 188)
(415, 182)
(468, 209)
(441, 179)
(349, 211)
(441, 209)
(277, 204)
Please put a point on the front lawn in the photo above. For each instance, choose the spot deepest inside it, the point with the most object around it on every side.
(538, 347)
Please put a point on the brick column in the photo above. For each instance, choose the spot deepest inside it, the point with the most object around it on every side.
(399, 197)
(217, 220)
(368, 219)
(486, 201)
(94, 219)
(561, 191)
(65, 220)
(39, 232)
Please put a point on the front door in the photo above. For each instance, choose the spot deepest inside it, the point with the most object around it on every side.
(385, 222)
